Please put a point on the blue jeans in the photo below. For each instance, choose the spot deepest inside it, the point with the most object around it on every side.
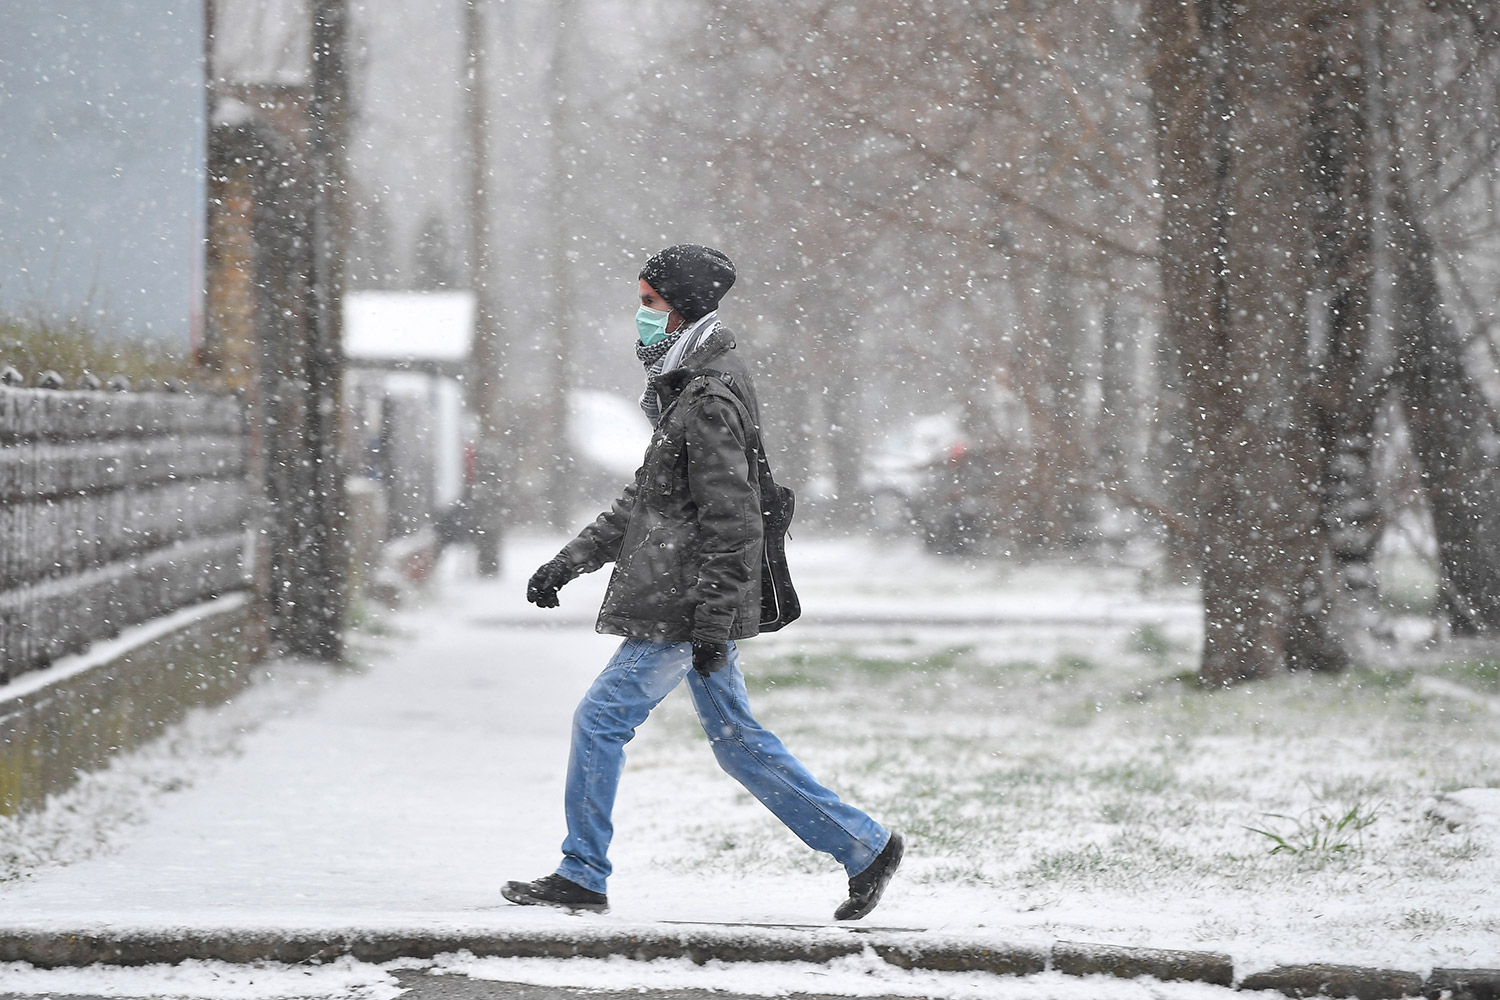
(640, 674)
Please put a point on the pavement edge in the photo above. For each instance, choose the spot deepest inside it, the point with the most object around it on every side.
(730, 943)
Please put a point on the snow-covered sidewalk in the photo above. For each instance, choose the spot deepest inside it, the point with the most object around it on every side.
(397, 797)
(397, 793)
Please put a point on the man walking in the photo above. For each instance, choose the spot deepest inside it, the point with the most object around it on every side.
(685, 538)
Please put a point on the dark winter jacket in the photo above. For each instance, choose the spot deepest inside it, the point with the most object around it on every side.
(686, 535)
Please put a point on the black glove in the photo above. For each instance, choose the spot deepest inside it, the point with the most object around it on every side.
(709, 657)
(547, 581)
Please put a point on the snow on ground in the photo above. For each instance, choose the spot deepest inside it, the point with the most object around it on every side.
(856, 976)
(204, 981)
(1028, 727)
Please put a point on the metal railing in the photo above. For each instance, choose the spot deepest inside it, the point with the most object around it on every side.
(116, 507)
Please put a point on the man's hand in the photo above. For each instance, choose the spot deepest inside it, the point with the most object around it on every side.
(709, 657)
(542, 589)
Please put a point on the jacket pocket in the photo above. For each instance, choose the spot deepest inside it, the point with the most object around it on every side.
(657, 572)
(666, 469)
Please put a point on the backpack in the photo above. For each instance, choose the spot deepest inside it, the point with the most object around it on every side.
(779, 604)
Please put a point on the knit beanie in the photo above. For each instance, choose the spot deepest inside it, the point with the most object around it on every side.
(691, 278)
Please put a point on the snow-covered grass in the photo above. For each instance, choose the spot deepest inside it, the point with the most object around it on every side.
(1081, 782)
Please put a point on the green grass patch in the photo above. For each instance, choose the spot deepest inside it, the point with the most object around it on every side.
(1151, 643)
(1381, 680)
(1128, 861)
(1319, 830)
(827, 669)
(1066, 668)
(1481, 674)
(1135, 776)
(1069, 865)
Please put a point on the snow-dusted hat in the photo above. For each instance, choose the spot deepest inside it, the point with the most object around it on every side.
(690, 277)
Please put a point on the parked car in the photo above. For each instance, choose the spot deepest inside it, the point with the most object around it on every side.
(608, 434)
(933, 478)
(898, 471)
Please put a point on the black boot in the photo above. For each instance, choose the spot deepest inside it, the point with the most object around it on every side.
(554, 890)
(866, 887)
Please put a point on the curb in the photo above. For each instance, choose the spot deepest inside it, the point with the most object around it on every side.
(729, 943)
(1337, 981)
(1079, 959)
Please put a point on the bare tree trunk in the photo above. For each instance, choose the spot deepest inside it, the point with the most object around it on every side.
(326, 560)
(842, 369)
(1233, 266)
(1048, 518)
(1112, 428)
(560, 475)
(1336, 609)
(1064, 348)
(1169, 456)
(1453, 429)
(486, 368)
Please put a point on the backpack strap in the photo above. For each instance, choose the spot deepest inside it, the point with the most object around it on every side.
(780, 605)
(763, 464)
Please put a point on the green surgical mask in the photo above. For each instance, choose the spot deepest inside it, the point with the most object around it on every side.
(651, 324)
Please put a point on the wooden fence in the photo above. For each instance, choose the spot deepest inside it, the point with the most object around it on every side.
(115, 508)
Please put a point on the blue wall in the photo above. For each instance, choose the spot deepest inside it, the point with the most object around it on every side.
(101, 162)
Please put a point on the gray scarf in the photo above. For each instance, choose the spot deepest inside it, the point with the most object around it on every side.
(666, 355)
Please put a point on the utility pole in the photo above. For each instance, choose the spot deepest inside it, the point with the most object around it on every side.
(560, 472)
(486, 498)
(320, 630)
